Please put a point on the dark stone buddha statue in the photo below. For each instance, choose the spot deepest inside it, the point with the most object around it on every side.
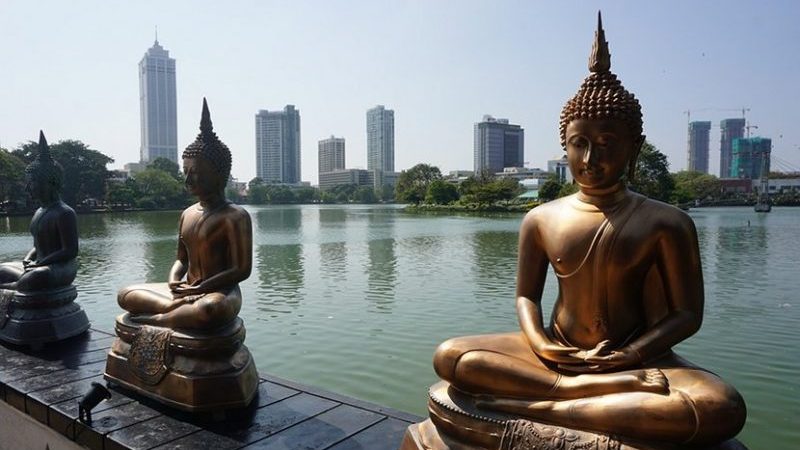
(181, 342)
(36, 294)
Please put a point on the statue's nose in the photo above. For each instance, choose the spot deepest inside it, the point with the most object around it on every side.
(587, 155)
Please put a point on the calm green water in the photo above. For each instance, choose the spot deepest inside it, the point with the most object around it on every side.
(355, 298)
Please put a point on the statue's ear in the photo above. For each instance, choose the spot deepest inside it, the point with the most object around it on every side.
(634, 157)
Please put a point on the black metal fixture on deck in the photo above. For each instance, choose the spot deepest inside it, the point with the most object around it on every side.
(97, 393)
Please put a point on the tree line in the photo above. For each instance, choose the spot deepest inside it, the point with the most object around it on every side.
(88, 184)
(424, 184)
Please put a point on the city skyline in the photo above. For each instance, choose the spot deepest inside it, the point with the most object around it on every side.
(158, 105)
(430, 66)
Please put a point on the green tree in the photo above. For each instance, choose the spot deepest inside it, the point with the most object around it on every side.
(166, 165)
(12, 179)
(567, 189)
(412, 185)
(652, 174)
(365, 194)
(441, 192)
(125, 193)
(84, 169)
(306, 194)
(550, 189)
(386, 193)
(327, 197)
(279, 194)
(692, 185)
(258, 194)
(255, 182)
(157, 189)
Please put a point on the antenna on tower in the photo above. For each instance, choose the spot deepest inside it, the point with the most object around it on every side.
(156, 34)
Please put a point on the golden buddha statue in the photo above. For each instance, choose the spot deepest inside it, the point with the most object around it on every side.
(603, 373)
(36, 294)
(180, 342)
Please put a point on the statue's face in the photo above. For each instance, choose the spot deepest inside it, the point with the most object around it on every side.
(202, 178)
(38, 188)
(598, 151)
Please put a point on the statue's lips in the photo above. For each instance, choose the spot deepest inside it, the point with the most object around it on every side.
(592, 172)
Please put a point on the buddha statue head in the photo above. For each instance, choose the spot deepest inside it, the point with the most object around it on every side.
(43, 175)
(206, 161)
(601, 125)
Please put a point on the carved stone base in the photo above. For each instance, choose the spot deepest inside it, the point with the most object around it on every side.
(190, 371)
(456, 424)
(37, 318)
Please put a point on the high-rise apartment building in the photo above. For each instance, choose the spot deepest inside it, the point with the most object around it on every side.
(697, 154)
(158, 105)
(331, 154)
(380, 139)
(278, 145)
(750, 157)
(730, 129)
(498, 144)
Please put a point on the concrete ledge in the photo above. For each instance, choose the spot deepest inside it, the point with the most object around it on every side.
(20, 431)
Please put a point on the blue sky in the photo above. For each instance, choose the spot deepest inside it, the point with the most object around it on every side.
(70, 68)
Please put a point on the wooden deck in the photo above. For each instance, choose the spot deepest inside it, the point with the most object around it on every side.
(285, 415)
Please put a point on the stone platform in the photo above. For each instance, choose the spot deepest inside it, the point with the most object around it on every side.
(47, 385)
(40, 317)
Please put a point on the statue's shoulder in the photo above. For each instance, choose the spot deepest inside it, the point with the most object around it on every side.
(237, 212)
(65, 209)
(545, 212)
(666, 217)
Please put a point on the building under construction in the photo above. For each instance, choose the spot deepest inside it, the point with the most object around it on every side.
(750, 156)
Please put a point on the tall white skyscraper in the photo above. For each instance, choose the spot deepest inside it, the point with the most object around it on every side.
(331, 154)
(278, 145)
(158, 105)
(380, 139)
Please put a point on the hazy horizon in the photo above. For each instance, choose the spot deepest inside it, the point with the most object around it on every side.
(71, 70)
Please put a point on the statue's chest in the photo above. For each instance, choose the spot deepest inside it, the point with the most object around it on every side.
(201, 231)
(579, 245)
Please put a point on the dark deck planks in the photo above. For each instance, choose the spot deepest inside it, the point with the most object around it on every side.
(285, 415)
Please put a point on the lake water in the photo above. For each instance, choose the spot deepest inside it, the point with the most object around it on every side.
(356, 298)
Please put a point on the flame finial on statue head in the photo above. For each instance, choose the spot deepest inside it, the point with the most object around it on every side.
(600, 59)
(43, 166)
(601, 95)
(207, 145)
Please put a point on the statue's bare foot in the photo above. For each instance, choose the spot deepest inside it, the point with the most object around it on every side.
(588, 385)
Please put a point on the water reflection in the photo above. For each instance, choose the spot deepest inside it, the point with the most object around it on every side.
(159, 256)
(333, 260)
(381, 262)
(281, 276)
(332, 217)
(381, 274)
(740, 262)
(279, 219)
(93, 225)
(495, 258)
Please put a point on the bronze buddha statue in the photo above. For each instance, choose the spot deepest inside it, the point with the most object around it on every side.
(36, 294)
(180, 342)
(603, 373)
